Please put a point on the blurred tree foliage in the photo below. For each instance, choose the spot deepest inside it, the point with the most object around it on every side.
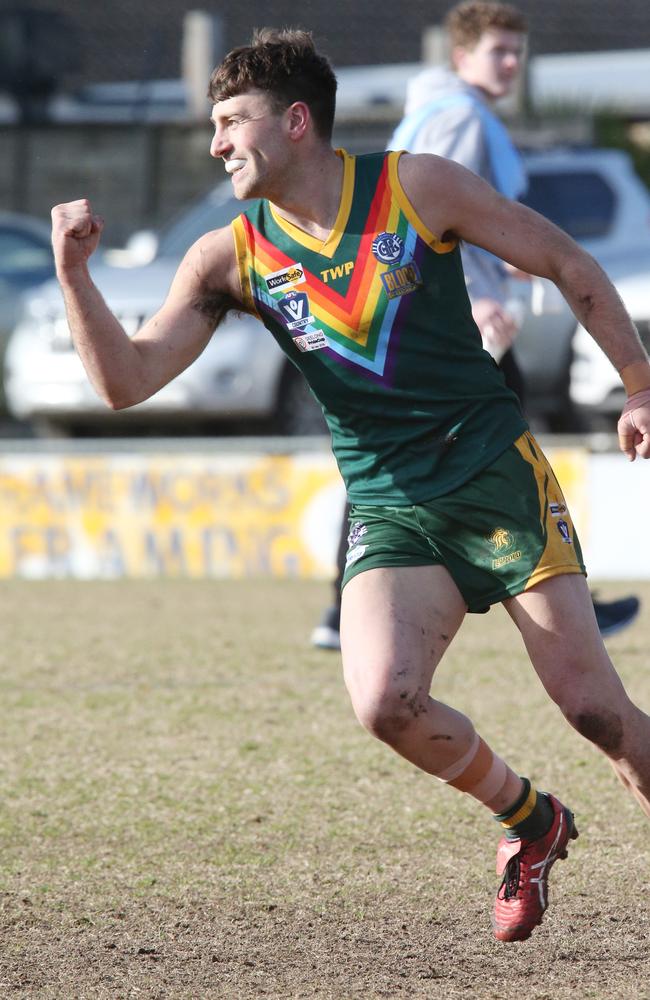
(632, 136)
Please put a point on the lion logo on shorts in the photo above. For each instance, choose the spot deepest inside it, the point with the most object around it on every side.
(500, 539)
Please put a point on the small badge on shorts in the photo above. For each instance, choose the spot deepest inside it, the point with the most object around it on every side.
(563, 528)
(557, 509)
(503, 543)
(354, 554)
(355, 551)
(357, 531)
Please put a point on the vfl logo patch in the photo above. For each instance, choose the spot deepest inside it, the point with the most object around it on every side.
(279, 280)
(388, 248)
(295, 310)
(401, 280)
(563, 528)
(501, 541)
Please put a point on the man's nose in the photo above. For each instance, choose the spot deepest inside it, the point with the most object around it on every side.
(513, 59)
(219, 145)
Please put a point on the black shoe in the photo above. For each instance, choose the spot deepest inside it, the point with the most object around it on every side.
(613, 616)
(327, 634)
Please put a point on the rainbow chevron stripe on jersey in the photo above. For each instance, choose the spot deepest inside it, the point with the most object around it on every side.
(378, 319)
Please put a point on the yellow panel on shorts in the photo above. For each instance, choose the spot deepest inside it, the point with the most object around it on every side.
(559, 556)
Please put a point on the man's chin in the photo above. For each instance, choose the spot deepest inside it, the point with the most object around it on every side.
(242, 189)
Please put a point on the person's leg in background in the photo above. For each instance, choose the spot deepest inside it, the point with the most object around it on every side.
(327, 634)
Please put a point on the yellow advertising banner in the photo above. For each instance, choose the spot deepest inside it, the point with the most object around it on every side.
(190, 515)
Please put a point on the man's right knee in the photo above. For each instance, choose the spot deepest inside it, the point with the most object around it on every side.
(389, 712)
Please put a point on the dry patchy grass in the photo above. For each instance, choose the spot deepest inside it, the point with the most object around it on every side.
(191, 811)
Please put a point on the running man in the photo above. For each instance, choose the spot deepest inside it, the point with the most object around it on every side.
(353, 264)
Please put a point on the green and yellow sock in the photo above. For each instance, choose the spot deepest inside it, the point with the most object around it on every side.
(530, 817)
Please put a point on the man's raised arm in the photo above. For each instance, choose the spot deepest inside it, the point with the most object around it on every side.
(452, 200)
(125, 370)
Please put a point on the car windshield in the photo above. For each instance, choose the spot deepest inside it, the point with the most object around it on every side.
(21, 252)
(212, 211)
(580, 202)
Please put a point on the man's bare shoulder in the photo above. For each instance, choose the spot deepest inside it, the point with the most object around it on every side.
(208, 278)
(421, 171)
(438, 189)
(211, 263)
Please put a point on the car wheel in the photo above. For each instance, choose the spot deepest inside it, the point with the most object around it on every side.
(297, 411)
(44, 427)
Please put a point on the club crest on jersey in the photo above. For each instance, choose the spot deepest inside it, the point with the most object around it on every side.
(295, 310)
(401, 280)
(388, 248)
(294, 274)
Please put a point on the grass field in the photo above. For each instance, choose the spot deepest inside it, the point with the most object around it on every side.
(190, 810)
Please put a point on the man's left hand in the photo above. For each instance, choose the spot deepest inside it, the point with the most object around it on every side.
(634, 426)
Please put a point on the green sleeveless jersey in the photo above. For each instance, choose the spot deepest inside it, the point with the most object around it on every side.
(378, 319)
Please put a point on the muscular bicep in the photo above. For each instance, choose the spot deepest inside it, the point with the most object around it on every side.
(510, 231)
(452, 201)
(202, 292)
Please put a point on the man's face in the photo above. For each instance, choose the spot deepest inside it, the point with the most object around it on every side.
(493, 64)
(249, 136)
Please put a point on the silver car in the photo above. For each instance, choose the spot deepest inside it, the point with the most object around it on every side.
(242, 380)
(596, 196)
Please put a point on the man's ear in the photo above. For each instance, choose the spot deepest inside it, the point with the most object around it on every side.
(457, 56)
(298, 117)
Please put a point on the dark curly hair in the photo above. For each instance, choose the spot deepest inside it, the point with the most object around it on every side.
(285, 65)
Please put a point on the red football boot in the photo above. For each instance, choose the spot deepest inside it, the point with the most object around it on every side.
(525, 864)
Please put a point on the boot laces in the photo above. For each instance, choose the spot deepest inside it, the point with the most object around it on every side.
(510, 883)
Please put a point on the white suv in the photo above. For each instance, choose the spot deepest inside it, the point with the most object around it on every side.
(241, 381)
(596, 196)
(597, 392)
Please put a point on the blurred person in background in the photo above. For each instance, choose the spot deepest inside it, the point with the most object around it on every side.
(450, 112)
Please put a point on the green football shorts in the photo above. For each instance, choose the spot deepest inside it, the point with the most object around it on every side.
(498, 535)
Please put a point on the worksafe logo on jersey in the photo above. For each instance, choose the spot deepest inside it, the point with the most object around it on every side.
(502, 541)
(295, 310)
(294, 274)
(388, 248)
(401, 280)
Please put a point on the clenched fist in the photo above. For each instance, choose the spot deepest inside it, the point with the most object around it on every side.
(75, 234)
(634, 426)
